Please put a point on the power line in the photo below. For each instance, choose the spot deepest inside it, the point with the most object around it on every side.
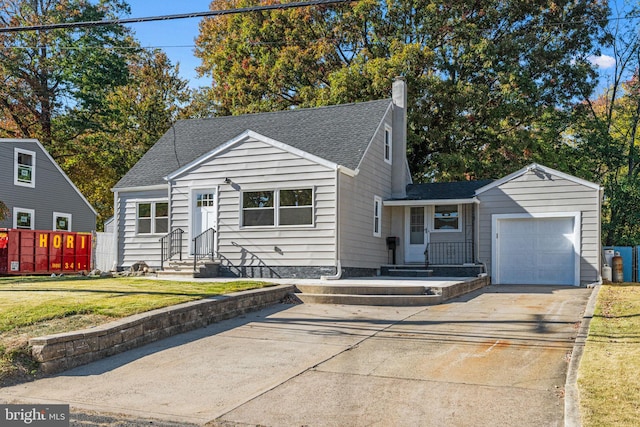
(176, 16)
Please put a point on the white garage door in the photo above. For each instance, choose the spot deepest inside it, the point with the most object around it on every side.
(535, 251)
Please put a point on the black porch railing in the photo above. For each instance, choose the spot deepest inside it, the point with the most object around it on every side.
(203, 246)
(170, 244)
(449, 253)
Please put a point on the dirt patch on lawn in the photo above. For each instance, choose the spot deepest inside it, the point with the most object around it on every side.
(16, 364)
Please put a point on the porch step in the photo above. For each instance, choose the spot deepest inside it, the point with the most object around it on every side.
(184, 268)
(433, 270)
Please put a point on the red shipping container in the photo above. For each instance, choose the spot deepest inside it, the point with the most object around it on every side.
(44, 252)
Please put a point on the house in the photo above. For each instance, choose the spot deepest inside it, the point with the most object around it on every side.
(328, 192)
(38, 194)
(534, 226)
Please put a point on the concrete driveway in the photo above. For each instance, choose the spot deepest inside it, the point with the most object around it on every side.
(497, 356)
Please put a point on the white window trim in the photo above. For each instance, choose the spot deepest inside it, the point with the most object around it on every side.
(432, 215)
(16, 152)
(64, 215)
(15, 217)
(276, 207)
(152, 218)
(388, 131)
(377, 220)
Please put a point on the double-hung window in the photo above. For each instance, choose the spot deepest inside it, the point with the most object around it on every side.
(377, 216)
(388, 144)
(24, 168)
(153, 218)
(285, 207)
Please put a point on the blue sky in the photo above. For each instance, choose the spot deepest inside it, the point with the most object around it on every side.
(175, 37)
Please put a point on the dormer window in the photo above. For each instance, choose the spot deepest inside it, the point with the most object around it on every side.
(387, 144)
(24, 168)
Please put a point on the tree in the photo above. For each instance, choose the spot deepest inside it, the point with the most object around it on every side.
(491, 82)
(4, 211)
(137, 114)
(605, 134)
(46, 72)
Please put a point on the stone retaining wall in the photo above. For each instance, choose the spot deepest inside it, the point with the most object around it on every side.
(59, 352)
(462, 288)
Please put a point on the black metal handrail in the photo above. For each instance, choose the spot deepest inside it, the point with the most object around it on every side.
(170, 244)
(203, 246)
(449, 253)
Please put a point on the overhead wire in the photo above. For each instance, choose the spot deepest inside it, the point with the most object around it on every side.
(84, 24)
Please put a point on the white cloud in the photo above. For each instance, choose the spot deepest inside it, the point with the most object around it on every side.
(603, 61)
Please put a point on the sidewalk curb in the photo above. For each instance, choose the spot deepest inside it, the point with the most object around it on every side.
(571, 392)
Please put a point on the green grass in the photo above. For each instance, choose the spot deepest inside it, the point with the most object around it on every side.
(35, 306)
(609, 375)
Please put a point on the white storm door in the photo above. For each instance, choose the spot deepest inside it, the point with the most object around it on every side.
(416, 234)
(537, 251)
(204, 212)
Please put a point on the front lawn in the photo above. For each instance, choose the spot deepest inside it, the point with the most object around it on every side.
(609, 375)
(36, 306)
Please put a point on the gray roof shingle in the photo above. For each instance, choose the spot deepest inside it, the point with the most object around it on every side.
(339, 133)
(445, 190)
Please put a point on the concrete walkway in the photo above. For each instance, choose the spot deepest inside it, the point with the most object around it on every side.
(497, 356)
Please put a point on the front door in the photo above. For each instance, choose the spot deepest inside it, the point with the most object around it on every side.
(204, 212)
(416, 234)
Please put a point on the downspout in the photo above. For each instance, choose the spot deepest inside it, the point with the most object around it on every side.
(338, 274)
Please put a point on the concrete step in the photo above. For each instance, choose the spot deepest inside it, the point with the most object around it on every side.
(405, 272)
(205, 268)
(378, 300)
(402, 293)
(363, 289)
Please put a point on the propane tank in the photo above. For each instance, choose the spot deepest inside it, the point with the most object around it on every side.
(617, 271)
(606, 273)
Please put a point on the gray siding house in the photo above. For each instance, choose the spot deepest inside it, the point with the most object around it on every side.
(327, 191)
(39, 195)
(534, 226)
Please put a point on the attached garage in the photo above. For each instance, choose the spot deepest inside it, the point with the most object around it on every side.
(540, 226)
(536, 249)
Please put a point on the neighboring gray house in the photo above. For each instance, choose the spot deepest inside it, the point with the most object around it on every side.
(39, 195)
(323, 191)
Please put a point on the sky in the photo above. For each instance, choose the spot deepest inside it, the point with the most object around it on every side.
(175, 37)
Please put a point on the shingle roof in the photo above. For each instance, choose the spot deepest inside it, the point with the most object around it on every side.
(339, 133)
(445, 190)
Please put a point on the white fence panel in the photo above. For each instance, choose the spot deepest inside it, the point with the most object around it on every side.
(105, 252)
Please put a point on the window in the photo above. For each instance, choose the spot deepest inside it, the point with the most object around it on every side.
(61, 221)
(206, 199)
(387, 144)
(277, 208)
(25, 162)
(153, 218)
(416, 226)
(258, 208)
(446, 218)
(24, 218)
(377, 216)
(296, 207)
